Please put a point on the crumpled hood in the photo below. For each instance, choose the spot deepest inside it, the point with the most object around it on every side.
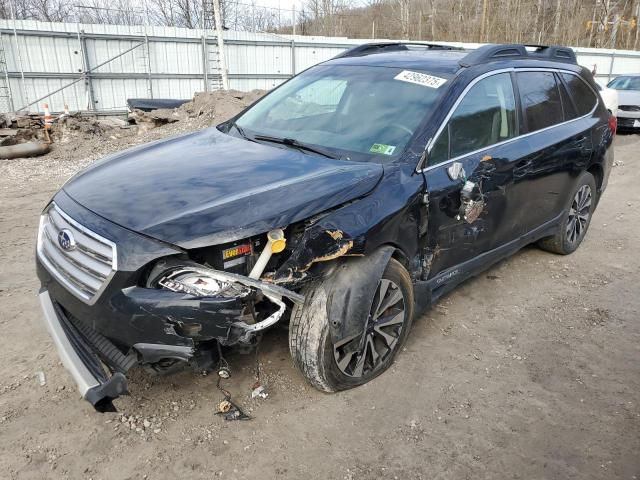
(207, 188)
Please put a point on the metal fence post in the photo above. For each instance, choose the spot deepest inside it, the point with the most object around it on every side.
(613, 58)
(293, 57)
(86, 70)
(19, 55)
(205, 63)
(148, 52)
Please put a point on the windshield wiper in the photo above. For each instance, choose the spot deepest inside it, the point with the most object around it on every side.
(296, 144)
(242, 132)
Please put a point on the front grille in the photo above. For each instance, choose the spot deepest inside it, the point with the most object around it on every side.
(87, 263)
(630, 108)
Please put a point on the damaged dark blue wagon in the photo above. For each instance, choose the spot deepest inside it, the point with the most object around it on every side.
(343, 203)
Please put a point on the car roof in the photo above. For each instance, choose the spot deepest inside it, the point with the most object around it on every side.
(450, 60)
(436, 61)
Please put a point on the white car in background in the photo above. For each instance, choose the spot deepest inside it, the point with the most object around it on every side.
(610, 98)
(628, 89)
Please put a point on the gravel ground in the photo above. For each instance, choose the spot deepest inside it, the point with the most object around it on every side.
(531, 370)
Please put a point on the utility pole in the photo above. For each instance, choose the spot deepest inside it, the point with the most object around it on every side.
(614, 33)
(635, 41)
(556, 25)
(221, 55)
(484, 19)
(294, 19)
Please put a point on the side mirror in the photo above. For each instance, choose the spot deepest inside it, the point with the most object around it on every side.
(456, 171)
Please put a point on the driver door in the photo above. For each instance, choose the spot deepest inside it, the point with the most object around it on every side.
(477, 147)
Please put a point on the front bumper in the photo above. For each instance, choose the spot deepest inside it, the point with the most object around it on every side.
(146, 326)
(629, 122)
(94, 384)
(127, 324)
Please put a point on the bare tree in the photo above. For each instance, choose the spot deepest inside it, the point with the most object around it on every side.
(594, 23)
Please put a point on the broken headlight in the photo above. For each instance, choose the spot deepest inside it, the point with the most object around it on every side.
(199, 283)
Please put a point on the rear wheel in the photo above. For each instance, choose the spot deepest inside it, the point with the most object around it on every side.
(576, 220)
(355, 360)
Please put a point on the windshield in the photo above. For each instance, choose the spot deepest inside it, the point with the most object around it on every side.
(347, 109)
(625, 83)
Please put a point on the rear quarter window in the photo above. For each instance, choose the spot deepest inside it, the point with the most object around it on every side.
(583, 97)
(540, 98)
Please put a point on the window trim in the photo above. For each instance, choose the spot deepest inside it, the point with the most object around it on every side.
(564, 87)
(432, 140)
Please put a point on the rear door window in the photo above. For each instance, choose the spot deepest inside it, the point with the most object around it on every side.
(485, 116)
(583, 96)
(540, 99)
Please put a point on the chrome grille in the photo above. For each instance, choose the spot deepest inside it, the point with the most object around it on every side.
(86, 265)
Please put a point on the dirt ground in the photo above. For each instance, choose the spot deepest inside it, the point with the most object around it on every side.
(529, 371)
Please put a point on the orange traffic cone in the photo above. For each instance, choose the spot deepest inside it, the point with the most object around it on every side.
(48, 119)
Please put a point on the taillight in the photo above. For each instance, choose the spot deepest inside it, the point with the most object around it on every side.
(613, 123)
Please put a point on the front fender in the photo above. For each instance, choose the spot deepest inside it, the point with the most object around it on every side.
(350, 292)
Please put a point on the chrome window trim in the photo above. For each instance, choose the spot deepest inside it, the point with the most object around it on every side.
(452, 110)
(53, 271)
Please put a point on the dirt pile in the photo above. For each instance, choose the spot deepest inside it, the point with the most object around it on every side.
(204, 110)
(79, 139)
(16, 129)
(78, 135)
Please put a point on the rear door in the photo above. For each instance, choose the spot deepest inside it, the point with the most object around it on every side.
(558, 146)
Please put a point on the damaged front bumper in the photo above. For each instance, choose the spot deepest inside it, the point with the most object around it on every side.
(94, 384)
(130, 326)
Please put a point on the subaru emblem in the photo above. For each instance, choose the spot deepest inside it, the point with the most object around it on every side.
(66, 240)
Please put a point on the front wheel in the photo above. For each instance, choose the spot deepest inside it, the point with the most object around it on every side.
(331, 366)
(576, 219)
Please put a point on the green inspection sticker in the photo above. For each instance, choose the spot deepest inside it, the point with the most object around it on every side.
(382, 148)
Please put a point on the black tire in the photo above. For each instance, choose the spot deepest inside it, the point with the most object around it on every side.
(568, 239)
(313, 351)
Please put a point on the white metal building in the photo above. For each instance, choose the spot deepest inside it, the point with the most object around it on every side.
(97, 67)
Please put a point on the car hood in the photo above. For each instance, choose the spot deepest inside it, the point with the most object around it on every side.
(207, 188)
(628, 97)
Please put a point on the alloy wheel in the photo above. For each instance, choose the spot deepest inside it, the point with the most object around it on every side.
(579, 214)
(365, 353)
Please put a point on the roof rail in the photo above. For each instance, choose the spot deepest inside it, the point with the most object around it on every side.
(494, 52)
(381, 47)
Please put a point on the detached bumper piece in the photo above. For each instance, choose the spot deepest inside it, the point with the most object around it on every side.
(78, 349)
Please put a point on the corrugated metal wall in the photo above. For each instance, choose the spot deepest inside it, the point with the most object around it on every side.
(120, 62)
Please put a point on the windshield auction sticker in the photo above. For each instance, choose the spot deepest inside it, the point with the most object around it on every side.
(420, 79)
(382, 148)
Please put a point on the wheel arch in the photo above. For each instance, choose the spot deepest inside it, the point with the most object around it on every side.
(597, 171)
(351, 289)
